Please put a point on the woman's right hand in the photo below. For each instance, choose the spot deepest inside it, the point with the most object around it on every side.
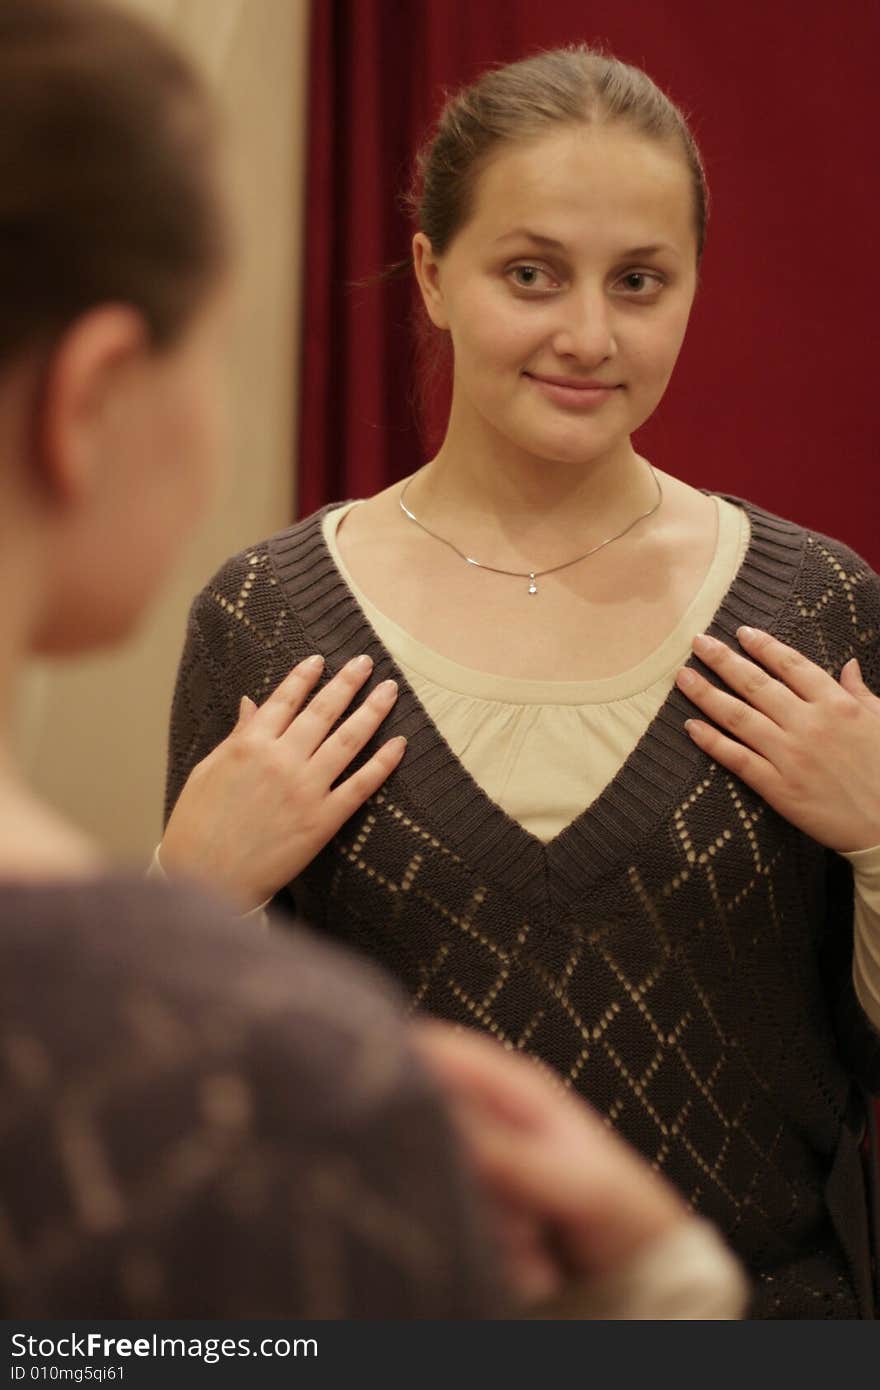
(259, 808)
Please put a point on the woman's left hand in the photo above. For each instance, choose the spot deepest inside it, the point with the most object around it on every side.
(806, 743)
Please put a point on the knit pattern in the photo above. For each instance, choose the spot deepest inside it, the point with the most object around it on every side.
(192, 1128)
(680, 955)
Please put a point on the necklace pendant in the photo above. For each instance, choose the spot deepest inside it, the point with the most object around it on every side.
(533, 588)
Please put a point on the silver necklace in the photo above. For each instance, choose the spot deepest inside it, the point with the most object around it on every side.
(532, 575)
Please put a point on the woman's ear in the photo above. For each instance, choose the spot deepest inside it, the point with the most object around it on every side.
(427, 268)
(83, 389)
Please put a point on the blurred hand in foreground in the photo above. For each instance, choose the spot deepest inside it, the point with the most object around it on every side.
(569, 1198)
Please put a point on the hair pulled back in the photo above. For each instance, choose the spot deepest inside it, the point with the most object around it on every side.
(575, 85)
(109, 188)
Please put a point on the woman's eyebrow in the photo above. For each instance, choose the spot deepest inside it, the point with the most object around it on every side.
(532, 236)
(648, 250)
(551, 243)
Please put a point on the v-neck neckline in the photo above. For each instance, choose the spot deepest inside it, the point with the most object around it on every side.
(456, 810)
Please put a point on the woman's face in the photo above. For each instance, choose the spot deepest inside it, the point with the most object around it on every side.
(567, 293)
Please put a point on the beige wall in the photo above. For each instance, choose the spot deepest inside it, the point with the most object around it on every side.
(92, 735)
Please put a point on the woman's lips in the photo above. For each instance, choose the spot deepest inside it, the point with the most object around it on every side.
(585, 395)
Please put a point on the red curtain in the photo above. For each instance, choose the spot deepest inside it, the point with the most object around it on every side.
(774, 395)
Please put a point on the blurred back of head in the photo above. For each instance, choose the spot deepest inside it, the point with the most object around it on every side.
(114, 252)
(108, 180)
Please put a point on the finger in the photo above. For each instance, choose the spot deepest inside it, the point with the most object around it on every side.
(853, 682)
(312, 726)
(796, 671)
(246, 710)
(755, 729)
(753, 769)
(287, 699)
(538, 1145)
(351, 794)
(512, 1086)
(552, 1181)
(523, 1173)
(851, 677)
(532, 1271)
(762, 692)
(337, 751)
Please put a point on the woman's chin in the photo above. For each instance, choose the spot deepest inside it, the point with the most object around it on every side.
(571, 450)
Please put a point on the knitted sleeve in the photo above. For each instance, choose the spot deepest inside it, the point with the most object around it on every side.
(241, 639)
(858, 1040)
(840, 599)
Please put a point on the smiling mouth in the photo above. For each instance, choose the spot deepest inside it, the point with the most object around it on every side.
(572, 383)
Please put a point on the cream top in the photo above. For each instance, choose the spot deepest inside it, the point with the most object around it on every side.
(518, 738)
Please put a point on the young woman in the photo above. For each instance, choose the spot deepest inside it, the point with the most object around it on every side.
(565, 857)
(193, 1123)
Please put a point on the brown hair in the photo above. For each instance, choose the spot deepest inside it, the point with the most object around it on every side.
(575, 85)
(109, 190)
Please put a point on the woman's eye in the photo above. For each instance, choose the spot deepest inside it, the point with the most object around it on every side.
(531, 277)
(641, 282)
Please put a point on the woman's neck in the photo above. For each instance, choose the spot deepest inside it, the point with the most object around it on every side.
(36, 842)
(506, 503)
(518, 485)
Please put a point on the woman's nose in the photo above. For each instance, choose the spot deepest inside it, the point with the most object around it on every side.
(585, 331)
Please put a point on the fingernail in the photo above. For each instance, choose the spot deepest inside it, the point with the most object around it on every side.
(398, 743)
(745, 634)
(313, 663)
(361, 663)
(686, 676)
(704, 643)
(387, 690)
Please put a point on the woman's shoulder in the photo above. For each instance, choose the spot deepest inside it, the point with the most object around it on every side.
(302, 545)
(148, 1032)
(257, 555)
(257, 582)
(812, 547)
(820, 594)
(69, 915)
(96, 942)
